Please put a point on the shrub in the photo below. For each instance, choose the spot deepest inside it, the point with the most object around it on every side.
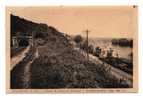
(78, 39)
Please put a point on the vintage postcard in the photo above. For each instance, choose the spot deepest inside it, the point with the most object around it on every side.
(72, 49)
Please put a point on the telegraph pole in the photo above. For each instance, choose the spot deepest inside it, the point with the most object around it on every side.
(87, 51)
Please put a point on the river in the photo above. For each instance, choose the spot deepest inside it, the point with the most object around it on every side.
(123, 52)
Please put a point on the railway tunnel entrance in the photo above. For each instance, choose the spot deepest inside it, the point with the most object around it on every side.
(21, 41)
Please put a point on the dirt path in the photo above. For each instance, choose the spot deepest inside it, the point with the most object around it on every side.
(26, 79)
(16, 59)
(21, 73)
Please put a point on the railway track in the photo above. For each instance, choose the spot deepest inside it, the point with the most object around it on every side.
(16, 59)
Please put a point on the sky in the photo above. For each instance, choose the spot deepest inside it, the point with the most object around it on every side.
(102, 21)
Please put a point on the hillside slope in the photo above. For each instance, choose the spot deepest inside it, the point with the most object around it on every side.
(59, 65)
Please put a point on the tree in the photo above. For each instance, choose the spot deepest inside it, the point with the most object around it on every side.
(78, 38)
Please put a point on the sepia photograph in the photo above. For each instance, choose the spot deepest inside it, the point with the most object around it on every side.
(68, 49)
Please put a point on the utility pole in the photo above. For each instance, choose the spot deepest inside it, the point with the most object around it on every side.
(87, 51)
